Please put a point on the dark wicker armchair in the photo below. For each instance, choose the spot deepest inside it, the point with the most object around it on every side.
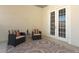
(36, 34)
(16, 40)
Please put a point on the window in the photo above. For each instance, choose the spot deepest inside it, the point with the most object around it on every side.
(52, 31)
(62, 23)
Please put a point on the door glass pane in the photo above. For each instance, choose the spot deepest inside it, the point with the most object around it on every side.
(62, 22)
(52, 23)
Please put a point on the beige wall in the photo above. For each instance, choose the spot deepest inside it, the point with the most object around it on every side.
(19, 17)
(75, 24)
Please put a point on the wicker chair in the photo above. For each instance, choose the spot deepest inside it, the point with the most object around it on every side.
(36, 34)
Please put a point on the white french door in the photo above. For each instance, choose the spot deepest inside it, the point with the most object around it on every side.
(58, 24)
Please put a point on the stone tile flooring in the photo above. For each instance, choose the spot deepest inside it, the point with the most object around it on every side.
(39, 46)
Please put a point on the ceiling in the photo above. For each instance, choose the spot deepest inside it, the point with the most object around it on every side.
(41, 6)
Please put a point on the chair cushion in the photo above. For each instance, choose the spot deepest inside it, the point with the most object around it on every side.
(37, 34)
(18, 34)
(19, 37)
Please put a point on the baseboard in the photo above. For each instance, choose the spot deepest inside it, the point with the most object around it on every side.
(5, 41)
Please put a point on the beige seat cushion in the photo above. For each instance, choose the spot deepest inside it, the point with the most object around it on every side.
(18, 37)
(36, 34)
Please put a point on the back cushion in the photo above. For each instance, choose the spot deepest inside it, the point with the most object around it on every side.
(18, 34)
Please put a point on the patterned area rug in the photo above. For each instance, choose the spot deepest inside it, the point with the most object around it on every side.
(40, 46)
